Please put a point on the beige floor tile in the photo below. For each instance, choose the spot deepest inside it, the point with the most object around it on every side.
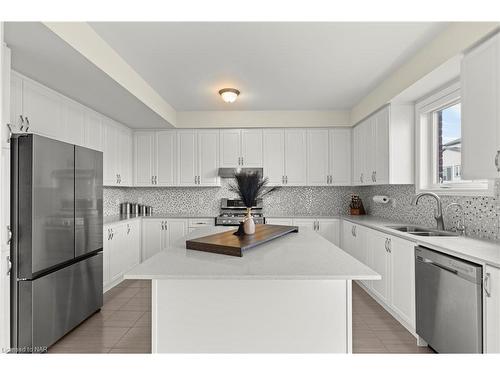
(144, 320)
(145, 350)
(407, 348)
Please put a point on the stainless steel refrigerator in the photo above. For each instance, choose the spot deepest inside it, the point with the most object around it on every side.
(56, 248)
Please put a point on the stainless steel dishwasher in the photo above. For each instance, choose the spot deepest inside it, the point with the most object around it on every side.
(449, 302)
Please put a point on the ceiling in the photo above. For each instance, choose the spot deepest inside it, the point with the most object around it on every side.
(40, 54)
(276, 66)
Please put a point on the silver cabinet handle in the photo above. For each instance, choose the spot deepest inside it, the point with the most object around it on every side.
(162, 225)
(21, 127)
(497, 163)
(286, 180)
(195, 179)
(374, 176)
(385, 245)
(361, 178)
(486, 284)
(27, 124)
(389, 245)
(156, 180)
(318, 225)
(283, 180)
(9, 234)
(152, 180)
(9, 264)
(128, 228)
(352, 231)
(355, 231)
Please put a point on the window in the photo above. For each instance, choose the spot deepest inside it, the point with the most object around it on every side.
(439, 146)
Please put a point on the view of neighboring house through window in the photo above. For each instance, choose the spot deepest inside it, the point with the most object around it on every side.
(449, 144)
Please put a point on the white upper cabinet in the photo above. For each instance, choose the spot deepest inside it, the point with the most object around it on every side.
(328, 157)
(251, 148)
(295, 157)
(155, 158)
(274, 155)
(340, 156)
(117, 154)
(187, 163)
(208, 157)
(93, 130)
(480, 100)
(165, 156)
(198, 157)
(110, 157)
(42, 109)
(241, 147)
(144, 157)
(318, 170)
(230, 147)
(16, 100)
(73, 123)
(382, 147)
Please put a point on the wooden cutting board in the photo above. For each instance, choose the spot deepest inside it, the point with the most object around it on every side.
(229, 244)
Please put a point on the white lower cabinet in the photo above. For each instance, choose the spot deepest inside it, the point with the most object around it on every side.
(492, 306)
(159, 234)
(200, 222)
(353, 243)
(328, 228)
(5, 301)
(279, 221)
(122, 250)
(392, 258)
(402, 280)
(378, 260)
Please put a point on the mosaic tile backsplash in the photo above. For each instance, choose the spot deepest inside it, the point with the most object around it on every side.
(205, 201)
(482, 214)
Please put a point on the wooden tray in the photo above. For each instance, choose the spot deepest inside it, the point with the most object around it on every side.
(229, 244)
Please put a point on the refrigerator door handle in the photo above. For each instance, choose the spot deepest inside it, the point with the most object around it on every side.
(9, 234)
(9, 265)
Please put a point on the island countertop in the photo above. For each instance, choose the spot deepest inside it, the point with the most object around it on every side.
(297, 256)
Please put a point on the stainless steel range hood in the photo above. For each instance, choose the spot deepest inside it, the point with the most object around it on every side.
(229, 172)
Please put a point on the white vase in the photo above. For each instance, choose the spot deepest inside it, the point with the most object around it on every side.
(249, 224)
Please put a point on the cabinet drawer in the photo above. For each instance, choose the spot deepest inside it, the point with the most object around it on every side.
(201, 222)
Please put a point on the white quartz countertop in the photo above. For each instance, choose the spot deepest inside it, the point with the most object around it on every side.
(474, 250)
(297, 256)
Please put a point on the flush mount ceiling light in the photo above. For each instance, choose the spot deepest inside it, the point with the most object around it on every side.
(229, 95)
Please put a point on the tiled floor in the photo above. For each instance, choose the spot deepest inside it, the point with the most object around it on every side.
(124, 325)
(374, 330)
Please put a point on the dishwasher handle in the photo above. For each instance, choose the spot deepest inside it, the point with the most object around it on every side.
(443, 267)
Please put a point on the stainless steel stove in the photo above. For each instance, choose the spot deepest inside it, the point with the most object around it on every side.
(233, 212)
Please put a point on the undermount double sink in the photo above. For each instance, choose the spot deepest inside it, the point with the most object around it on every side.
(422, 231)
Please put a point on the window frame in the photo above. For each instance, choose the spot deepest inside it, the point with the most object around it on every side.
(425, 140)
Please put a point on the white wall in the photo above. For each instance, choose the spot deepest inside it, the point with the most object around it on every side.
(451, 42)
(232, 119)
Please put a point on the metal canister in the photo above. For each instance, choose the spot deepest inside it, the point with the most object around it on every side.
(148, 211)
(134, 208)
(142, 209)
(124, 208)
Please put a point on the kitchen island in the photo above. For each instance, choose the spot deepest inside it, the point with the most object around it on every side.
(291, 295)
